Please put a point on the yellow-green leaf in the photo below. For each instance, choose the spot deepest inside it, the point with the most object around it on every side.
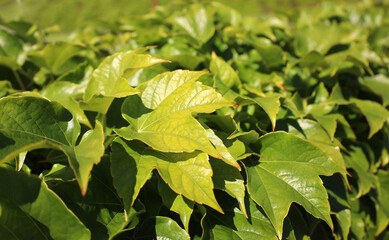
(170, 127)
(110, 78)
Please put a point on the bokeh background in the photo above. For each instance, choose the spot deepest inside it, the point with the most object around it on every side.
(69, 14)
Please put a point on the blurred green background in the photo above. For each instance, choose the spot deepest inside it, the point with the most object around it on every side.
(75, 13)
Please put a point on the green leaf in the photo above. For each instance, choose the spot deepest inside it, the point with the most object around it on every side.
(11, 50)
(357, 160)
(162, 228)
(30, 210)
(88, 153)
(189, 174)
(110, 78)
(129, 169)
(315, 134)
(176, 203)
(197, 21)
(170, 127)
(224, 72)
(98, 104)
(289, 172)
(29, 123)
(58, 172)
(318, 37)
(55, 55)
(374, 112)
(383, 198)
(272, 55)
(270, 104)
(313, 61)
(255, 225)
(65, 93)
(222, 149)
(378, 84)
(229, 180)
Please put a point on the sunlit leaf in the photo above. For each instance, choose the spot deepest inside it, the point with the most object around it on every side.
(110, 78)
(189, 174)
(170, 126)
(287, 172)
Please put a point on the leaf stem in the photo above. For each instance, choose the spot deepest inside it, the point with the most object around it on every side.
(19, 80)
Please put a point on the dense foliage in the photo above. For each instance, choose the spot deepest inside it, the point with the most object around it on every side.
(195, 122)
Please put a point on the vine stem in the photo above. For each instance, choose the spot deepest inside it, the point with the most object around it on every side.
(19, 80)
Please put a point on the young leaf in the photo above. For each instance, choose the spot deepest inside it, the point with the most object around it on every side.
(30, 210)
(289, 172)
(170, 127)
(110, 78)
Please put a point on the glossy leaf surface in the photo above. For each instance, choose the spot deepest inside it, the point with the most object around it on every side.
(294, 173)
(170, 126)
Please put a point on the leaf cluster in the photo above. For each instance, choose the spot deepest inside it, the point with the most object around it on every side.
(194, 122)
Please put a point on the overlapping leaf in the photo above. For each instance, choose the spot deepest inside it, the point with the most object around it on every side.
(288, 171)
(29, 122)
(189, 174)
(374, 112)
(170, 127)
(27, 203)
(109, 79)
(253, 225)
(63, 93)
(162, 228)
(176, 203)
